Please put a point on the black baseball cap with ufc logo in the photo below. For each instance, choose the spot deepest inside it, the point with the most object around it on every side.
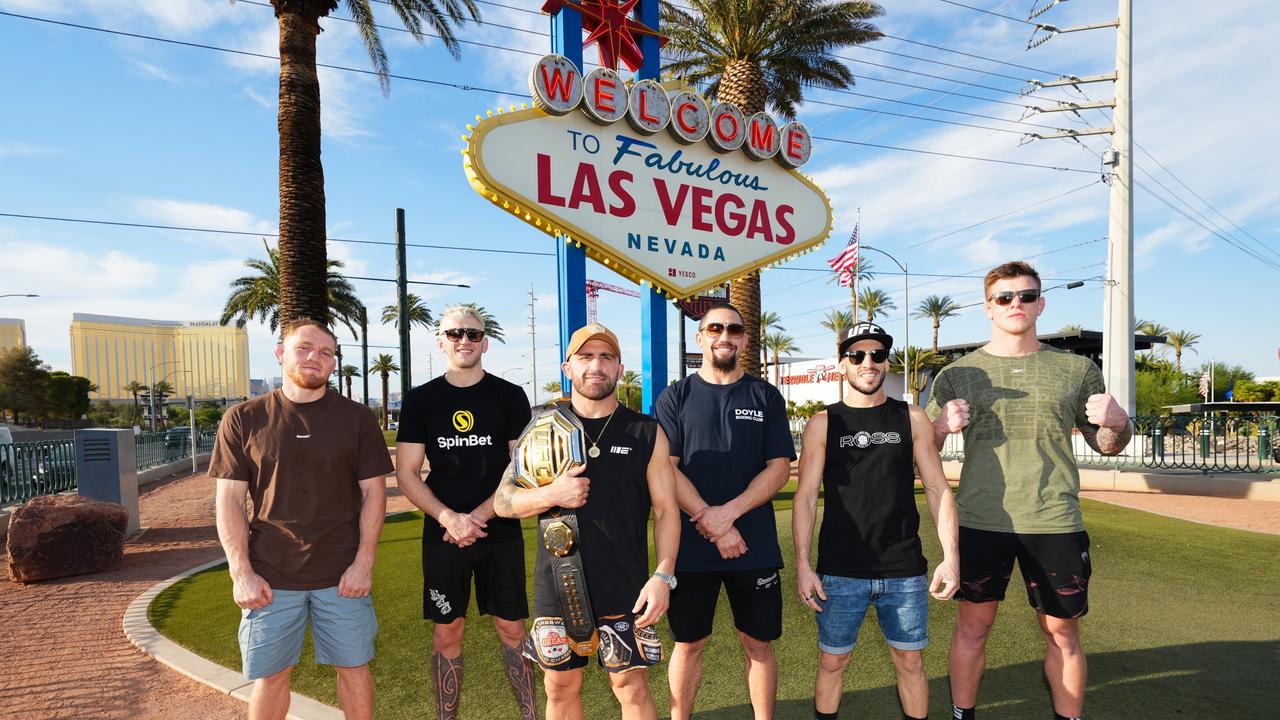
(863, 331)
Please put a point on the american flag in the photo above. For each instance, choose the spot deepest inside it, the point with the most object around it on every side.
(1204, 384)
(847, 260)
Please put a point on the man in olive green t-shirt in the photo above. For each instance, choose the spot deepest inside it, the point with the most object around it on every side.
(1017, 402)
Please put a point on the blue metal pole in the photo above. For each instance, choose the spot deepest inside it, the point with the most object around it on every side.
(653, 307)
(571, 262)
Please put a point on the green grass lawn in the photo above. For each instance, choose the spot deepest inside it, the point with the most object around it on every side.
(1184, 622)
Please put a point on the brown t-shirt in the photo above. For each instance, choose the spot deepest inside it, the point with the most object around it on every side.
(303, 463)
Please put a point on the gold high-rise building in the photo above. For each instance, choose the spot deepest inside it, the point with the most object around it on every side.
(13, 333)
(202, 358)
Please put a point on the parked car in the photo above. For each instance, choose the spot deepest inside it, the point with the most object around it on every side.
(393, 425)
(177, 442)
(6, 457)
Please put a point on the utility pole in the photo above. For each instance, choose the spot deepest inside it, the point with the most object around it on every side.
(1117, 309)
(533, 344)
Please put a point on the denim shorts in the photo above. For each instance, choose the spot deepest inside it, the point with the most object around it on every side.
(902, 609)
(342, 630)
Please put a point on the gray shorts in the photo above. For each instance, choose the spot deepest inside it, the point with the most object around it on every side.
(342, 630)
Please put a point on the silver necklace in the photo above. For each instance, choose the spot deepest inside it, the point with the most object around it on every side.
(594, 451)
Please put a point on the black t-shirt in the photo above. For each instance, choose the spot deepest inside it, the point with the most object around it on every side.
(724, 435)
(614, 521)
(870, 524)
(466, 431)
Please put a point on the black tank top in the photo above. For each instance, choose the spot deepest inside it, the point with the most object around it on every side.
(614, 521)
(870, 525)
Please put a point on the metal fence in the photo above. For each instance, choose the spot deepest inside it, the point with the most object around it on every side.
(30, 469)
(1187, 441)
(36, 468)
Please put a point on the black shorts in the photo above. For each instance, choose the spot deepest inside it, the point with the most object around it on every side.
(623, 646)
(499, 573)
(1056, 568)
(755, 596)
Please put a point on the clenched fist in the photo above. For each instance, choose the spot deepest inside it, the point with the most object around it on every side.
(954, 416)
(1103, 410)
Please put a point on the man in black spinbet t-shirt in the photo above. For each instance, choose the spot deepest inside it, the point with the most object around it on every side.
(862, 452)
(464, 424)
(731, 449)
(629, 474)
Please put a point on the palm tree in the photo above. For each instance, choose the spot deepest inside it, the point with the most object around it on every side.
(777, 343)
(769, 321)
(492, 328)
(629, 389)
(936, 307)
(921, 363)
(347, 373)
(757, 54)
(1153, 329)
(1071, 328)
(258, 296)
(1180, 340)
(133, 387)
(384, 365)
(302, 199)
(419, 314)
(161, 388)
(875, 303)
(837, 321)
(553, 389)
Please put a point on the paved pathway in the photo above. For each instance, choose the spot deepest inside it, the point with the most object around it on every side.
(66, 656)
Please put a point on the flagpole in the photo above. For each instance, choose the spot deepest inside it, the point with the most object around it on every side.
(857, 227)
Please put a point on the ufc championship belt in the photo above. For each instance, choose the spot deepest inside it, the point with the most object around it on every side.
(553, 442)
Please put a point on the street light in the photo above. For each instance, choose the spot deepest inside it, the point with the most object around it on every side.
(18, 295)
(906, 312)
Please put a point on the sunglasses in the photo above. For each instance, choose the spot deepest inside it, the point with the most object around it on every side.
(734, 329)
(456, 334)
(877, 356)
(1004, 298)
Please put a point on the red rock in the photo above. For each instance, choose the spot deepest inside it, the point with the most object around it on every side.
(59, 535)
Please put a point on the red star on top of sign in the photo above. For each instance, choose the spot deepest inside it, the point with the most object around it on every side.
(612, 29)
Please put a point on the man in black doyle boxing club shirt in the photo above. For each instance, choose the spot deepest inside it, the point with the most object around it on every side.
(626, 474)
(464, 424)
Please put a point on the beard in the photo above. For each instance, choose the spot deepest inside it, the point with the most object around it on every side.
(725, 364)
(310, 382)
(596, 388)
(873, 390)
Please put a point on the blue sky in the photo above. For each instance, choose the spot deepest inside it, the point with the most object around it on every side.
(105, 127)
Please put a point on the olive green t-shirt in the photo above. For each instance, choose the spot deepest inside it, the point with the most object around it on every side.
(1019, 471)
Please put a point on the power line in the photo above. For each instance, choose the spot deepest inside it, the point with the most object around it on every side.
(1001, 215)
(215, 231)
(989, 12)
(977, 57)
(1248, 251)
(917, 117)
(953, 155)
(934, 62)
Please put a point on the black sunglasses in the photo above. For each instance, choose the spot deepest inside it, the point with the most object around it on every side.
(1004, 298)
(877, 356)
(734, 329)
(456, 334)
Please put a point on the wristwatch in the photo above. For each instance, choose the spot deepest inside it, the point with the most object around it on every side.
(670, 580)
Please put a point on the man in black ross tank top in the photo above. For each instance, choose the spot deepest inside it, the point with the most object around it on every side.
(630, 474)
(862, 452)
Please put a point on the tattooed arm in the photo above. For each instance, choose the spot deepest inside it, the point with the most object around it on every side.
(569, 490)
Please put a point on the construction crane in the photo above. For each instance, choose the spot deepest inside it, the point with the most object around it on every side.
(593, 292)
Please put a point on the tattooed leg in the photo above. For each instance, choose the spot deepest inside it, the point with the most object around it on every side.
(448, 677)
(520, 675)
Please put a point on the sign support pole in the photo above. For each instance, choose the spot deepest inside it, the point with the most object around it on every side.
(571, 262)
(653, 307)
(402, 303)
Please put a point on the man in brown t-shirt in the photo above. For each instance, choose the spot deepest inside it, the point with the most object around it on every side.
(314, 464)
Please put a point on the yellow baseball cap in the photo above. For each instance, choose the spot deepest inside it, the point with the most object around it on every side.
(592, 331)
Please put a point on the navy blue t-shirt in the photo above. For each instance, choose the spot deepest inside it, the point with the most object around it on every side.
(724, 435)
